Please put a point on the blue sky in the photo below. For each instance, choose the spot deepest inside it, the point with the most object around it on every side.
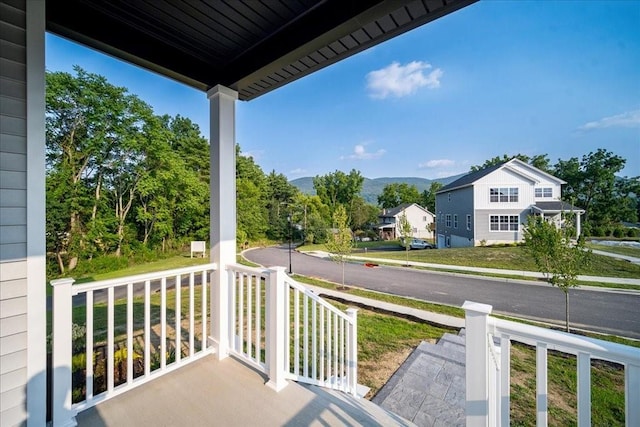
(560, 78)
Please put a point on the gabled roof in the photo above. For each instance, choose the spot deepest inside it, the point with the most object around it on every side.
(472, 177)
(250, 46)
(556, 206)
(398, 209)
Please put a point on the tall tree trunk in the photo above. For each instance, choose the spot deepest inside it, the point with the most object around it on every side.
(60, 261)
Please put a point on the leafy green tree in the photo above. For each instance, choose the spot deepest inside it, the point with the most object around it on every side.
(340, 242)
(279, 197)
(539, 161)
(428, 199)
(555, 255)
(591, 184)
(87, 119)
(338, 188)
(252, 214)
(406, 233)
(397, 193)
(363, 214)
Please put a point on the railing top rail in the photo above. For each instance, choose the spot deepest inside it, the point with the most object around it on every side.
(259, 271)
(565, 342)
(105, 284)
(290, 282)
(309, 293)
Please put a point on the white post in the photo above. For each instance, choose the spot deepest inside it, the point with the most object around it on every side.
(36, 277)
(632, 397)
(477, 358)
(62, 314)
(223, 208)
(353, 351)
(276, 328)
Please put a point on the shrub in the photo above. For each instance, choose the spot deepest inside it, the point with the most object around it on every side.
(633, 232)
(618, 232)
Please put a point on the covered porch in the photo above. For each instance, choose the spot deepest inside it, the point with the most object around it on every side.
(228, 392)
(558, 211)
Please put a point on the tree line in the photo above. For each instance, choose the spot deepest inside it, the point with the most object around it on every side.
(123, 181)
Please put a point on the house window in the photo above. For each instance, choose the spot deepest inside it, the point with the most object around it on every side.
(546, 192)
(503, 195)
(468, 222)
(455, 221)
(448, 220)
(504, 223)
(448, 197)
(424, 219)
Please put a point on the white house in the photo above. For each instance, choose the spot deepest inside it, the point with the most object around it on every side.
(421, 220)
(489, 206)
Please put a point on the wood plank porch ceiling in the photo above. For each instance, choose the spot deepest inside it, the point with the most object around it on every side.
(252, 46)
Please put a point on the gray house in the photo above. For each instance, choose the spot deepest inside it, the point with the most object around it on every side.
(489, 206)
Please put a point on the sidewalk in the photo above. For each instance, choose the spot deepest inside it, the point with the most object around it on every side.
(532, 274)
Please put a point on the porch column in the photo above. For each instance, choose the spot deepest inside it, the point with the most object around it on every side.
(36, 402)
(578, 228)
(222, 181)
(477, 358)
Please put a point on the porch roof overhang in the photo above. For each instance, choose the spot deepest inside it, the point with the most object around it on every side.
(556, 207)
(386, 225)
(251, 47)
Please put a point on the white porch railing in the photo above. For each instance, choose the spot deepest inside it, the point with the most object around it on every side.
(288, 332)
(136, 329)
(488, 367)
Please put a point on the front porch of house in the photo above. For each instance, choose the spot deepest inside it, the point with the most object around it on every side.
(151, 354)
(228, 392)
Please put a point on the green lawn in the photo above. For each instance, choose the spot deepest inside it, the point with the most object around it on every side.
(621, 250)
(509, 258)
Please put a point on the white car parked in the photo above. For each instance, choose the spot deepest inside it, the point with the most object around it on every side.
(417, 244)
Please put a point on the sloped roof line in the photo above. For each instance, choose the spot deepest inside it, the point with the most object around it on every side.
(472, 177)
(397, 209)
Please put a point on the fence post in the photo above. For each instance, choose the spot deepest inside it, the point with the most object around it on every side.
(276, 328)
(353, 351)
(62, 413)
(632, 397)
(477, 358)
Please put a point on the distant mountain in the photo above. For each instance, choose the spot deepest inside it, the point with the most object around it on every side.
(372, 188)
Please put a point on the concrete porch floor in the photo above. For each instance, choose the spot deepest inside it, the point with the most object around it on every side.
(209, 392)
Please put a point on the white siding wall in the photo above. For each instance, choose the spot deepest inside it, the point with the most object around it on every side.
(503, 178)
(13, 214)
(415, 215)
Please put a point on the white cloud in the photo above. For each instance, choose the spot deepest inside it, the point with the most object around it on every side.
(441, 163)
(630, 119)
(256, 154)
(360, 153)
(297, 171)
(402, 80)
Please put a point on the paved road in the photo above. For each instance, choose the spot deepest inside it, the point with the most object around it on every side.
(614, 312)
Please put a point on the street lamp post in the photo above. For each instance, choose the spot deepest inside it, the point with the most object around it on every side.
(290, 237)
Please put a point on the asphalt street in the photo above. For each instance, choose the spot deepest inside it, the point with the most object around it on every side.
(607, 311)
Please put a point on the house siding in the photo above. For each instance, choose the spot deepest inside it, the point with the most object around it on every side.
(456, 202)
(492, 237)
(13, 213)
